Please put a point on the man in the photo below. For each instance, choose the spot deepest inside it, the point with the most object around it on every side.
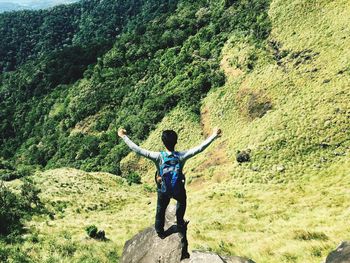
(169, 138)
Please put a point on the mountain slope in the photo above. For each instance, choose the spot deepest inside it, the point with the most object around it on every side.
(59, 120)
(286, 101)
(285, 98)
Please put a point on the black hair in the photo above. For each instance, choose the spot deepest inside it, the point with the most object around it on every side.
(169, 138)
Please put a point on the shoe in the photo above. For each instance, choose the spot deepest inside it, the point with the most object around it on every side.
(161, 234)
(185, 255)
(182, 227)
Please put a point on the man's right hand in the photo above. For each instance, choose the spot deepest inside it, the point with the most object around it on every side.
(121, 132)
(217, 131)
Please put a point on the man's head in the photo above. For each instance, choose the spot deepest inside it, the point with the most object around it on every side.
(169, 138)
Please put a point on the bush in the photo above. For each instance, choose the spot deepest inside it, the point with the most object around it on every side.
(9, 173)
(4, 253)
(30, 194)
(306, 235)
(133, 178)
(12, 254)
(15, 208)
(10, 212)
(93, 232)
(149, 188)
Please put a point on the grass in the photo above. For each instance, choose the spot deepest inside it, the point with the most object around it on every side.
(290, 203)
(292, 222)
(76, 200)
(299, 221)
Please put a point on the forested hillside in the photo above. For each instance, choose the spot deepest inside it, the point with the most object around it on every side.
(63, 95)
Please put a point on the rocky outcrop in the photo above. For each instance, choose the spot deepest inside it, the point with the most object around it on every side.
(147, 247)
(341, 254)
(206, 257)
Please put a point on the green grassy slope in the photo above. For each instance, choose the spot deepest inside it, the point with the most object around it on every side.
(76, 200)
(290, 203)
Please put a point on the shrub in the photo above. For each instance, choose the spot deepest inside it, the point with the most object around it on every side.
(15, 208)
(306, 235)
(11, 211)
(9, 173)
(91, 231)
(133, 178)
(149, 188)
(4, 253)
(30, 194)
(12, 254)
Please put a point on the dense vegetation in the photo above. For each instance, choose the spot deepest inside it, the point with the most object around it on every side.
(17, 207)
(274, 187)
(60, 108)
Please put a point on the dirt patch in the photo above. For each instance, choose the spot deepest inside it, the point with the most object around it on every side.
(205, 122)
(253, 103)
(85, 126)
(230, 72)
(217, 156)
(197, 183)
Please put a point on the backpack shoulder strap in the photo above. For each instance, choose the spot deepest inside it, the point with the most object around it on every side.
(163, 155)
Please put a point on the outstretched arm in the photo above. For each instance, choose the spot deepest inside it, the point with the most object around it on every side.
(192, 152)
(145, 153)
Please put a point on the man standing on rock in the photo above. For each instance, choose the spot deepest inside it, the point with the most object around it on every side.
(170, 179)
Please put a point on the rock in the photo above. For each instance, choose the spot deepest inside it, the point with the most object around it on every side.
(206, 257)
(341, 254)
(147, 247)
(324, 145)
(243, 156)
(339, 153)
(255, 168)
(101, 235)
(323, 159)
(280, 168)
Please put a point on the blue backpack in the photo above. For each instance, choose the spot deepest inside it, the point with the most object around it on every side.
(171, 173)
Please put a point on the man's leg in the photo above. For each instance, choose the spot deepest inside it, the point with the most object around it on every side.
(181, 224)
(162, 203)
(181, 199)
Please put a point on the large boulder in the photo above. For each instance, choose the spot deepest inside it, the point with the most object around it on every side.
(147, 247)
(341, 254)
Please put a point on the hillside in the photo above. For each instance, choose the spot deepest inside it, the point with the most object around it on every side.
(65, 111)
(273, 75)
